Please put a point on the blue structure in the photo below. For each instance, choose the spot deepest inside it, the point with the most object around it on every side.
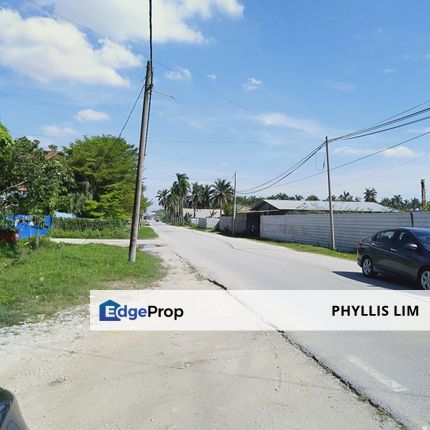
(25, 227)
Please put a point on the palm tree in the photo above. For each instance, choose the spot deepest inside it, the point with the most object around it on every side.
(298, 197)
(415, 203)
(345, 197)
(397, 201)
(172, 203)
(182, 186)
(162, 197)
(312, 198)
(205, 196)
(222, 193)
(195, 196)
(370, 195)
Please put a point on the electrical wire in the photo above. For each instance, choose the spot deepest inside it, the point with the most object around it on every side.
(366, 131)
(356, 160)
(291, 170)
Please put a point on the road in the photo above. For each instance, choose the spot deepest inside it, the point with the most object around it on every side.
(391, 368)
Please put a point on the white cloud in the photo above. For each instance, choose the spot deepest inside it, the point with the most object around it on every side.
(178, 74)
(53, 130)
(400, 151)
(47, 50)
(388, 71)
(124, 20)
(344, 87)
(91, 115)
(211, 76)
(307, 126)
(252, 84)
(349, 150)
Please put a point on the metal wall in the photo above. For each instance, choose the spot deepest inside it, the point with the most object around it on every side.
(25, 227)
(314, 229)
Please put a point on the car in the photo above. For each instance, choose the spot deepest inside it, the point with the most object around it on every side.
(10, 414)
(401, 251)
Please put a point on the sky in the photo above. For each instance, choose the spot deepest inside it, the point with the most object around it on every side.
(244, 86)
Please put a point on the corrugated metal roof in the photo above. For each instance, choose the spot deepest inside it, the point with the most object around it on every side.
(306, 205)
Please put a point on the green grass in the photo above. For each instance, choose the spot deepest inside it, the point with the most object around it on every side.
(56, 276)
(144, 233)
(311, 248)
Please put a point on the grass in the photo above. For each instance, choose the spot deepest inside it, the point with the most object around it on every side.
(311, 248)
(41, 282)
(144, 233)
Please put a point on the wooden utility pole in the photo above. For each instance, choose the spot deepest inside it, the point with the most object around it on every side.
(140, 164)
(330, 202)
(233, 221)
(423, 194)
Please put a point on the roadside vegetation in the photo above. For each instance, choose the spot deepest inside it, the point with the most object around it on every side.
(34, 284)
(83, 228)
(311, 248)
(182, 193)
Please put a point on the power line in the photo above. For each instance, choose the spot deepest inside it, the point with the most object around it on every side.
(366, 131)
(356, 160)
(374, 173)
(288, 172)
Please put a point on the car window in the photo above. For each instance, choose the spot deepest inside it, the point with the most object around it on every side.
(404, 238)
(385, 237)
(424, 237)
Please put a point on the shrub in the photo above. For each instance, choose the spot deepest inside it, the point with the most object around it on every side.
(85, 224)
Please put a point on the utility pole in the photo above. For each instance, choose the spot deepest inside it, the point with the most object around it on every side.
(140, 164)
(233, 221)
(330, 202)
(423, 194)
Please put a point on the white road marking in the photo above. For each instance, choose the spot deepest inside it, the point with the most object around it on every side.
(375, 373)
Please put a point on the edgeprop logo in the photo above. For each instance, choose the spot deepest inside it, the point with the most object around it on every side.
(113, 311)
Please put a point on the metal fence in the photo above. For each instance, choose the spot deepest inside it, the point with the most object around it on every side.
(26, 228)
(314, 229)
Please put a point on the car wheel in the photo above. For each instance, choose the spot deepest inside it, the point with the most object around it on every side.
(425, 279)
(367, 267)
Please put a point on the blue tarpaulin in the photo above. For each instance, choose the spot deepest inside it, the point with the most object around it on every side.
(25, 227)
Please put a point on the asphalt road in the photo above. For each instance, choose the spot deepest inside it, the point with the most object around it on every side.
(391, 368)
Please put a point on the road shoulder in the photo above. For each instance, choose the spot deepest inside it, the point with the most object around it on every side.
(254, 380)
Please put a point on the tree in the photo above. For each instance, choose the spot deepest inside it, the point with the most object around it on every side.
(370, 195)
(346, 197)
(415, 203)
(222, 193)
(386, 202)
(5, 138)
(162, 198)
(298, 197)
(104, 167)
(397, 201)
(195, 196)
(33, 184)
(181, 188)
(312, 198)
(205, 196)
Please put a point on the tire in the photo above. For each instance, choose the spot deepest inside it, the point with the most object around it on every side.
(424, 279)
(367, 267)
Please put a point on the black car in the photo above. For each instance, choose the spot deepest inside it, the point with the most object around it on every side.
(402, 251)
(10, 415)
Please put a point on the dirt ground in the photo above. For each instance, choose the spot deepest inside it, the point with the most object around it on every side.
(66, 377)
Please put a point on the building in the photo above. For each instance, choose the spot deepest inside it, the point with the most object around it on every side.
(249, 223)
(282, 207)
(202, 213)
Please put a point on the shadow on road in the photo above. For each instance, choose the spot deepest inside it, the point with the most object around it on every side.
(387, 282)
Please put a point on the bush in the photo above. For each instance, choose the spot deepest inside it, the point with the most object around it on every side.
(85, 224)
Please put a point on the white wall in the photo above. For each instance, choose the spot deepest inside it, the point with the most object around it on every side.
(314, 229)
(225, 223)
(205, 223)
